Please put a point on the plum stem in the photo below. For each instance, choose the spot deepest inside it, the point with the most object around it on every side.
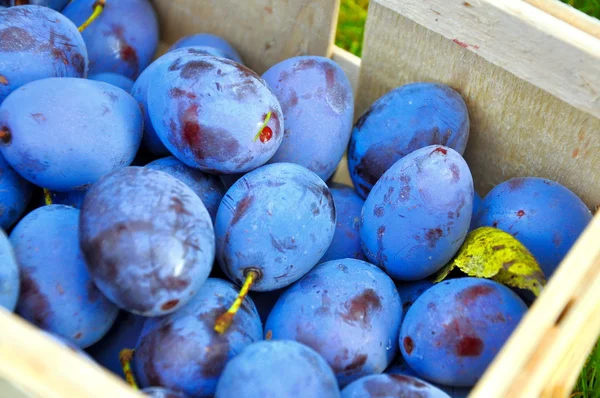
(262, 127)
(47, 197)
(98, 8)
(125, 357)
(225, 320)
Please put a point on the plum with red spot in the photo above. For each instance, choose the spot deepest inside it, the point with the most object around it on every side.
(209, 41)
(405, 119)
(417, 215)
(455, 329)
(36, 43)
(214, 114)
(148, 240)
(57, 291)
(123, 39)
(346, 240)
(348, 311)
(318, 107)
(392, 386)
(183, 352)
(277, 221)
(542, 214)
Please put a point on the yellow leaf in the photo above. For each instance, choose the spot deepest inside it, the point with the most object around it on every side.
(494, 254)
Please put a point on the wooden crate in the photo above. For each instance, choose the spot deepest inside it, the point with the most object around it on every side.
(530, 73)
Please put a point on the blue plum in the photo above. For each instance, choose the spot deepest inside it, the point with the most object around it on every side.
(65, 133)
(215, 114)
(147, 239)
(405, 119)
(544, 215)
(453, 331)
(36, 43)
(57, 293)
(182, 351)
(346, 240)
(277, 369)
(391, 386)
(158, 392)
(208, 187)
(278, 221)
(265, 301)
(123, 334)
(9, 274)
(209, 40)
(318, 107)
(418, 213)
(477, 205)
(410, 291)
(348, 311)
(123, 39)
(15, 193)
(115, 79)
(54, 4)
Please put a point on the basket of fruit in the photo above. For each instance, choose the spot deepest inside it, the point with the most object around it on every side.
(206, 198)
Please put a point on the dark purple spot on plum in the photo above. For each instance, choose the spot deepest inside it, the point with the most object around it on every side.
(451, 215)
(470, 294)
(241, 209)
(78, 336)
(111, 96)
(315, 209)
(495, 224)
(520, 213)
(431, 306)
(169, 305)
(92, 292)
(37, 303)
(38, 117)
(408, 380)
(176, 92)
(515, 183)
(455, 173)
(304, 64)
(408, 344)
(469, 346)
(360, 308)
(176, 65)
(194, 68)
(357, 363)
(557, 239)
(440, 150)
(16, 39)
(283, 245)
(126, 52)
(337, 95)
(78, 63)
(178, 206)
(432, 235)
(291, 102)
(378, 211)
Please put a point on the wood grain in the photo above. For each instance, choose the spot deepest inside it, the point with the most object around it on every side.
(33, 365)
(521, 38)
(517, 129)
(265, 32)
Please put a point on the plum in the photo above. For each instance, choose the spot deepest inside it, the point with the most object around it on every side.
(407, 118)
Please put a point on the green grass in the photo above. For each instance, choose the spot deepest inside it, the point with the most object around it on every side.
(349, 36)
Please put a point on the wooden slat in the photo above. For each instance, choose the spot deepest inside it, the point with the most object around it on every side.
(350, 63)
(545, 353)
(517, 129)
(34, 365)
(521, 38)
(265, 32)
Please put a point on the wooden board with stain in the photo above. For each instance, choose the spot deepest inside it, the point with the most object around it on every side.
(517, 128)
(265, 32)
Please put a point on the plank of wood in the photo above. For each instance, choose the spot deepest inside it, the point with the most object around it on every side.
(569, 14)
(34, 365)
(517, 129)
(521, 38)
(265, 32)
(550, 345)
(350, 64)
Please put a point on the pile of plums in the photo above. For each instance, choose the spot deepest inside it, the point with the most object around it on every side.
(139, 197)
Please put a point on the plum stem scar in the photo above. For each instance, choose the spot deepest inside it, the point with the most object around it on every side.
(264, 124)
(225, 320)
(98, 8)
(125, 357)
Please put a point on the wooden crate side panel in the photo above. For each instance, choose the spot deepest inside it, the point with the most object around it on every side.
(265, 32)
(517, 129)
(521, 38)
